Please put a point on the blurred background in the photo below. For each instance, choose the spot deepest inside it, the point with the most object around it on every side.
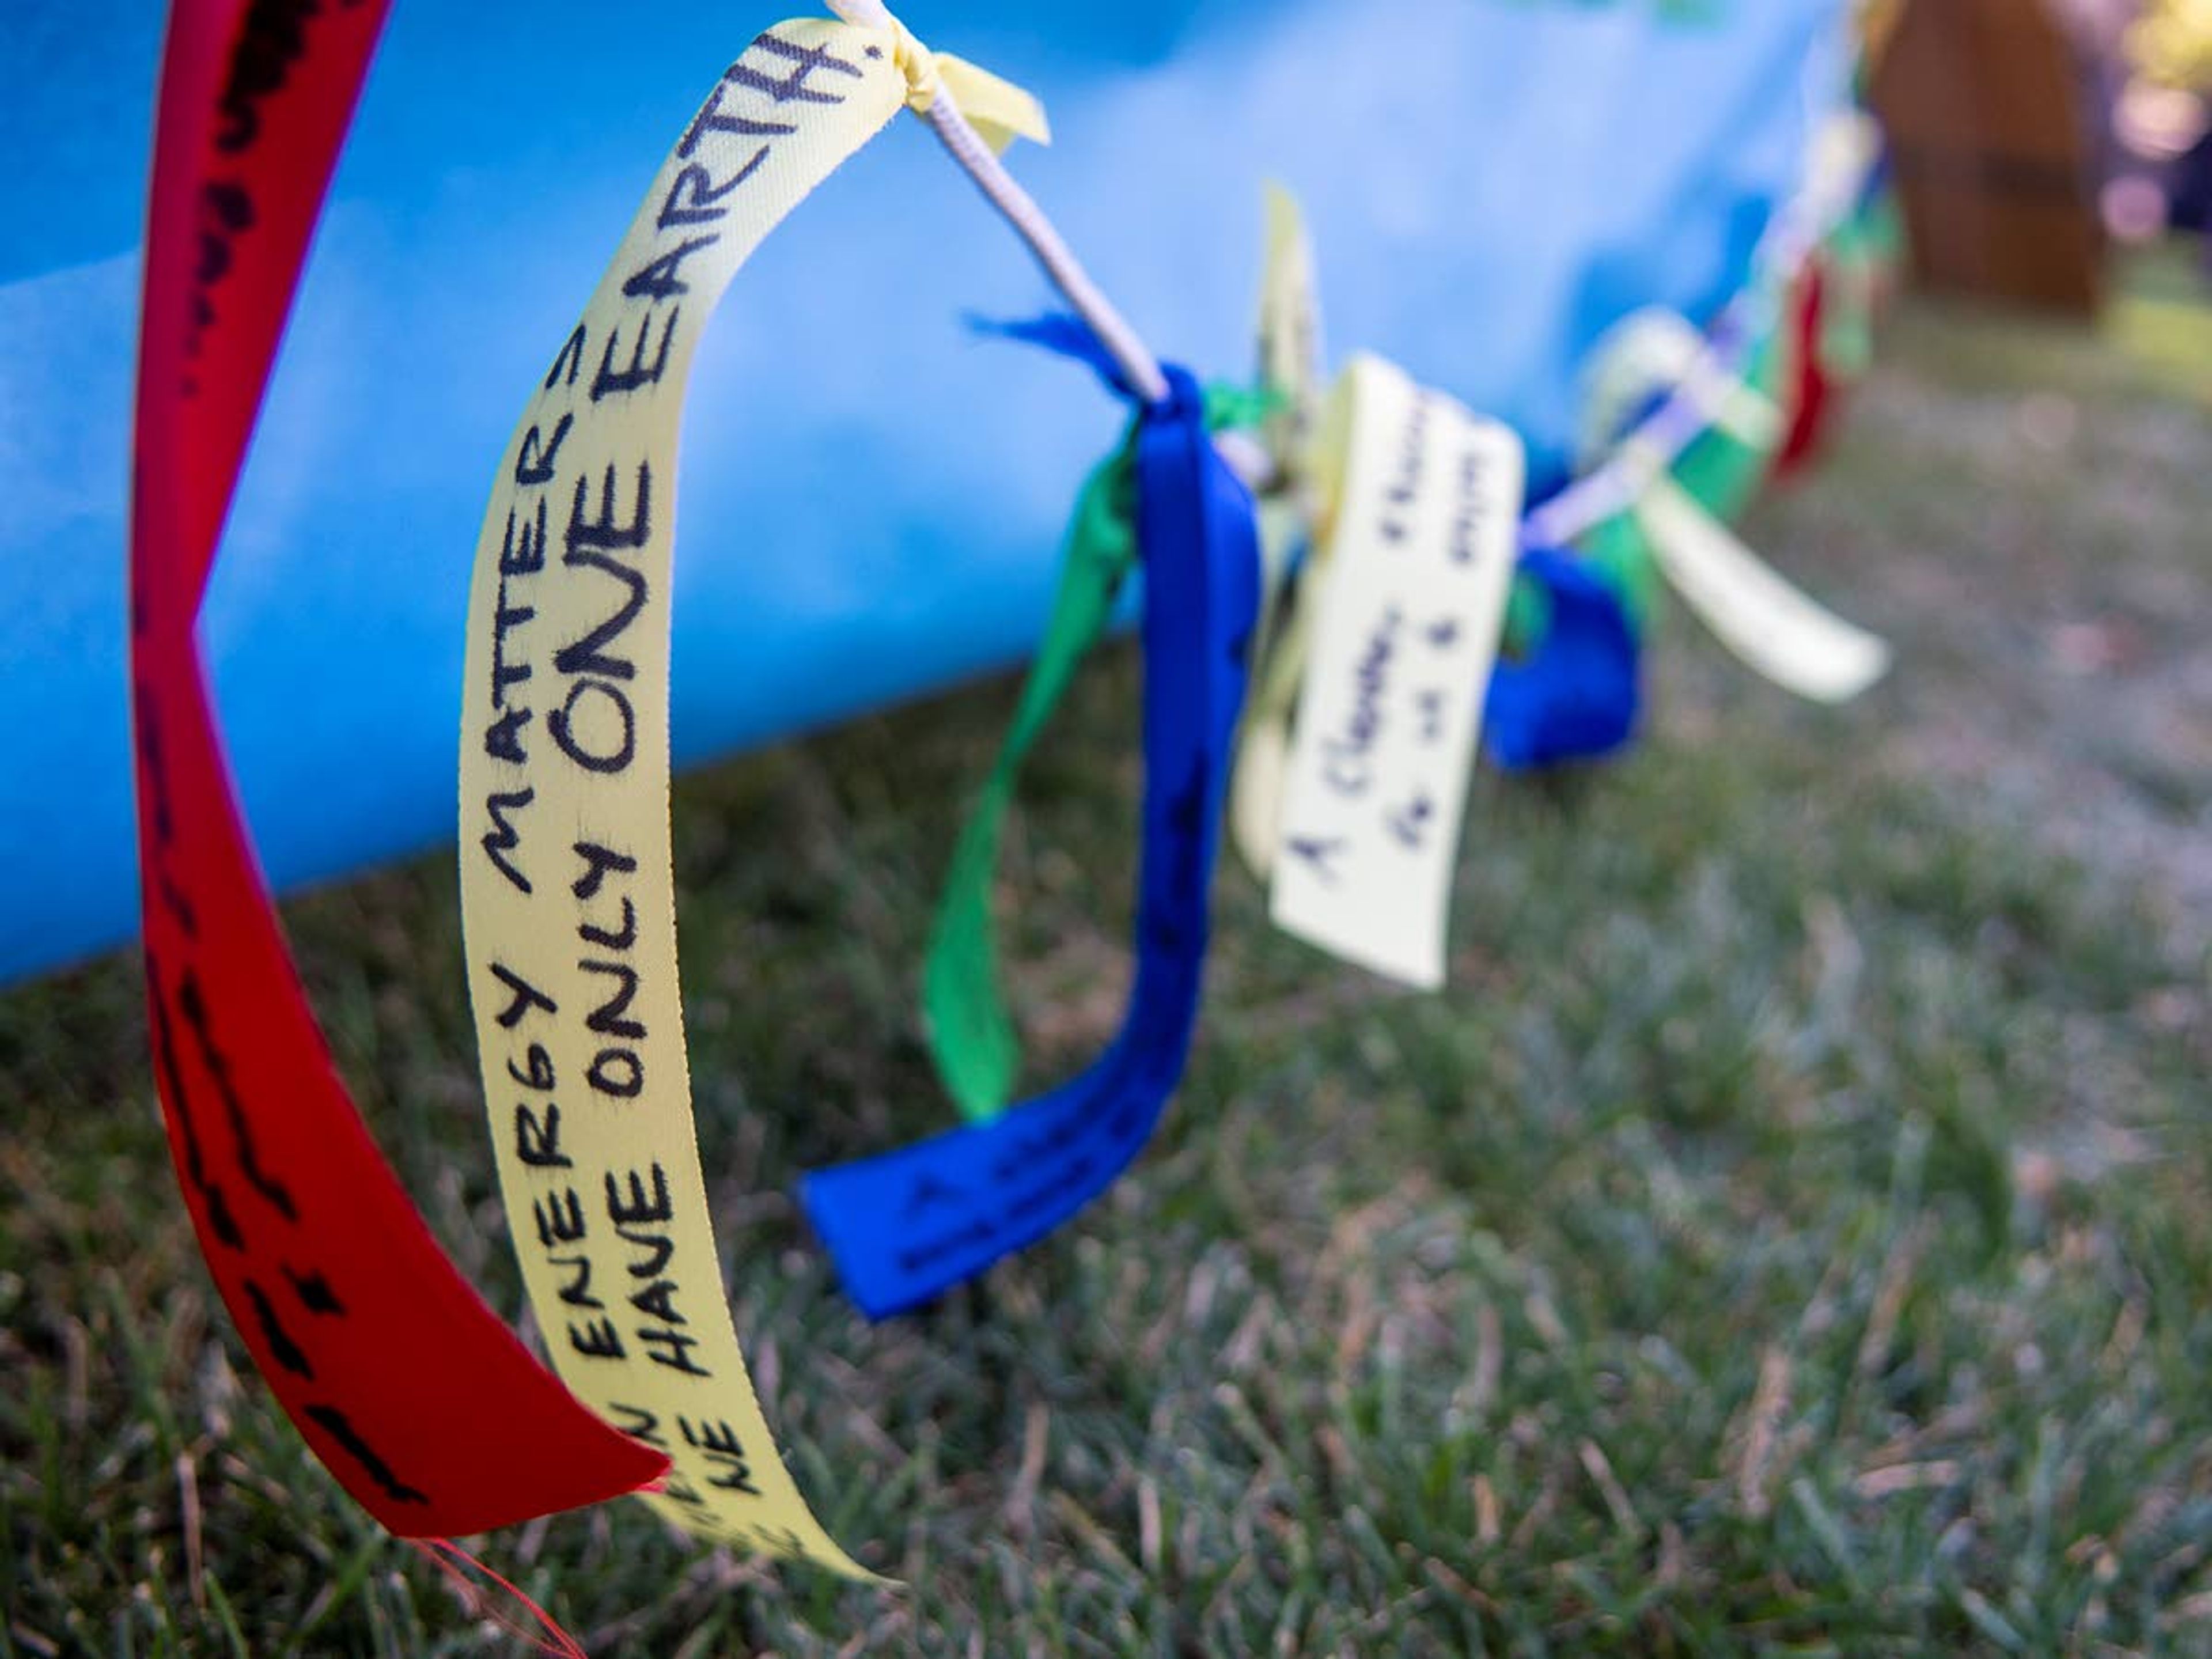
(2031, 139)
(1792, 1231)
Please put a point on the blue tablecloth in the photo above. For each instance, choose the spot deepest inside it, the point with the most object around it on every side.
(1490, 183)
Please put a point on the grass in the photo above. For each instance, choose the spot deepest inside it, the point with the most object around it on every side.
(1791, 1234)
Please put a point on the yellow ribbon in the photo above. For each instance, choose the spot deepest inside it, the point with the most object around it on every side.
(566, 875)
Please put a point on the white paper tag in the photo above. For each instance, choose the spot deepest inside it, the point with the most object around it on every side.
(1773, 626)
(1418, 564)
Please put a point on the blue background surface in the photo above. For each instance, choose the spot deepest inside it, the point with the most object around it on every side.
(872, 497)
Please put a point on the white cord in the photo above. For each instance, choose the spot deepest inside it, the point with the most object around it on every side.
(1130, 354)
(868, 14)
(1796, 230)
(1138, 367)
(1249, 459)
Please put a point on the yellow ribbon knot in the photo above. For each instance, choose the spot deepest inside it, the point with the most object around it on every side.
(999, 110)
(919, 65)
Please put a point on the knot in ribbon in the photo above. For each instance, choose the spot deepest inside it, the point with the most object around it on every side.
(999, 110)
(919, 65)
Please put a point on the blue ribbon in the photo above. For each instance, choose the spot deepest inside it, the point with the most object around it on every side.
(1576, 696)
(905, 1227)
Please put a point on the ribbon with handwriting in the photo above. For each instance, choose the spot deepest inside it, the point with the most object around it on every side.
(906, 1226)
(425, 1406)
(568, 885)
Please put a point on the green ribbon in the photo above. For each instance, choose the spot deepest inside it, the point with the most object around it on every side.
(1719, 470)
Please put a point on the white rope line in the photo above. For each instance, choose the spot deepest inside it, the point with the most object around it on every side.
(1129, 352)
(1790, 238)
(1138, 367)
(1249, 459)
(1588, 501)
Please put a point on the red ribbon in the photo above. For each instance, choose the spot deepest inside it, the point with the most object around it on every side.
(416, 1395)
(1812, 413)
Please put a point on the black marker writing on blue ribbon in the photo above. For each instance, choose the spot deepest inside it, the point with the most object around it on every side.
(908, 1226)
